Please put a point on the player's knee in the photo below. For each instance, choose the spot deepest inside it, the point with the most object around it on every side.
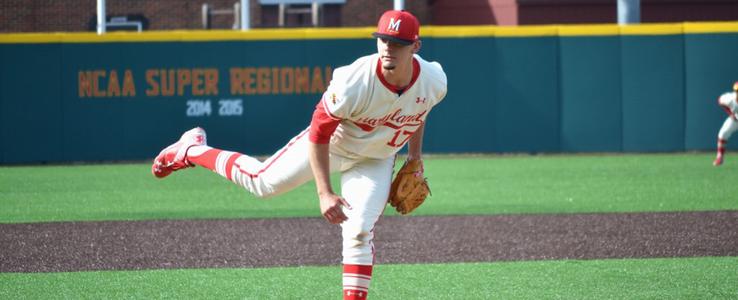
(357, 239)
(357, 247)
(723, 135)
(260, 191)
(264, 194)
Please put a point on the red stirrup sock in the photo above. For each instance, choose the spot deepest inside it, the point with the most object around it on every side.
(721, 146)
(356, 280)
(217, 160)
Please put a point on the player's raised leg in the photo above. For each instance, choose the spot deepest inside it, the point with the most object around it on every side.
(365, 187)
(286, 169)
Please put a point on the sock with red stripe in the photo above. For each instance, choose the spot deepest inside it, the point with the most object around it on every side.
(204, 156)
(218, 161)
(356, 280)
(721, 147)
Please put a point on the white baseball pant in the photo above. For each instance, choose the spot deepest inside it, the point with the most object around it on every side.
(729, 127)
(365, 185)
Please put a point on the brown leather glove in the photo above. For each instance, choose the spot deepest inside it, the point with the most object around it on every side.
(409, 188)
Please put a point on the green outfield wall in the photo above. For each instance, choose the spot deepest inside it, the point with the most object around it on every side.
(598, 88)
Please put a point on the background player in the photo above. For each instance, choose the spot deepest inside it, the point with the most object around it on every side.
(371, 109)
(728, 102)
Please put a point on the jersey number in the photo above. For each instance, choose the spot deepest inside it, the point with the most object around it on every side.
(405, 136)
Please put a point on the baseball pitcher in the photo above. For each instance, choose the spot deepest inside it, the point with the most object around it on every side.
(370, 110)
(728, 102)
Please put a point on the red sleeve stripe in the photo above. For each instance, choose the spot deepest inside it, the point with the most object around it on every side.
(327, 111)
(323, 125)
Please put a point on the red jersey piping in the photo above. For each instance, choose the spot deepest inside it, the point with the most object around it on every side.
(393, 88)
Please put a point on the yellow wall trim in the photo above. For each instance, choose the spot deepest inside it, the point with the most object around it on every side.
(365, 32)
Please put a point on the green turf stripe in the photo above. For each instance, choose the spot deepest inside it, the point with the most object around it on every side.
(687, 278)
(469, 185)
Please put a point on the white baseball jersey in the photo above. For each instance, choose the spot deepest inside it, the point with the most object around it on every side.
(376, 119)
(728, 102)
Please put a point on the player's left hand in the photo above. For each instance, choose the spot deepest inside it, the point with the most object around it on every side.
(331, 208)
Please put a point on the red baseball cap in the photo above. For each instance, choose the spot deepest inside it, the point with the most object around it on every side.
(398, 26)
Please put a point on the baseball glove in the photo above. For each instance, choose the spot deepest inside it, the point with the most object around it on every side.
(410, 188)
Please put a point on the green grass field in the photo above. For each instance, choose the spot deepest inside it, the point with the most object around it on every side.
(471, 185)
(690, 278)
(461, 186)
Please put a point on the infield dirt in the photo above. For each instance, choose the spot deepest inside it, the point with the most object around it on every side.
(166, 244)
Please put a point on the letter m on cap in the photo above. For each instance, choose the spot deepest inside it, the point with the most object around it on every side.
(394, 25)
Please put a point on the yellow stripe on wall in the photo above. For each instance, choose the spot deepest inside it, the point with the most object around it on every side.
(365, 32)
(653, 29)
(711, 27)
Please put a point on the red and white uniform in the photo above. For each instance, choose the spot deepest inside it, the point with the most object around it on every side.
(373, 119)
(728, 102)
(366, 121)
